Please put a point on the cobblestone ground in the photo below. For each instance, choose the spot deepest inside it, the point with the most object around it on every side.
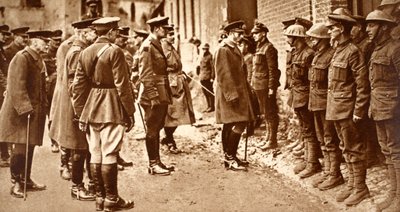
(283, 161)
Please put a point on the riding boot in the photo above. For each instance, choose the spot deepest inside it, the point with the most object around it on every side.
(230, 162)
(95, 168)
(392, 191)
(16, 166)
(343, 194)
(325, 174)
(113, 201)
(211, 105)
(335, 177)
(78, 161)
(395, 206)
(313, 166)
(226, 129)
(361, 190)
(235, 143)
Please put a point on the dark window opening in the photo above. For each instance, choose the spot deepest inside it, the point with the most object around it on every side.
(133, 12)
(33, 3)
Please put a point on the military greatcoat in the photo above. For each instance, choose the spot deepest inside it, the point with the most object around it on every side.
(180, 112)
(231, 85)
(60, 60)
(63, 128)
(25, 94)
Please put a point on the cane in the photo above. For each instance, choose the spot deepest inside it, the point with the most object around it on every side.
(199, 84)
(26, 154)
(245, 144)
(141, 116)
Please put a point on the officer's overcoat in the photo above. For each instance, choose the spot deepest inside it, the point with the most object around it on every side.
(63, 129)
(181, 111)
(231, 84)
(25, 93)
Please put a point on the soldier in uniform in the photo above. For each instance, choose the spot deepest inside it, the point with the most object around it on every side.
(348, 96)
(121, 41)
(384, 70)
(392, 7)
(360, 38)
(25, 105)
(64, 128)
(92, 6)
(140, 36)
(180, 111)
(20, 41)
(103, 100)
(49, 59)
(4, 155)
(325, 130)
(206, 74)
(301, 60)
(265, 82)
(155, 93)
(232, 101)
(60, 61)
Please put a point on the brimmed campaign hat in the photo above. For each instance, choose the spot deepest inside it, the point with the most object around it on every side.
(340, 15)
(236, 26)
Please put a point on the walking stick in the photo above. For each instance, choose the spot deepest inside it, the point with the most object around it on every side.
(141, 116)
(199, 84)
(26, 154)
(245, 144)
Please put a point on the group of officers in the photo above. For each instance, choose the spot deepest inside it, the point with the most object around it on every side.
(338, 86)
(343, 81)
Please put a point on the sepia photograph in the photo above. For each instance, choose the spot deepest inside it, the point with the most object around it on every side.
(200, 105)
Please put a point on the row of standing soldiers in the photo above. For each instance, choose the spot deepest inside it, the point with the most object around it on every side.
(339, 86)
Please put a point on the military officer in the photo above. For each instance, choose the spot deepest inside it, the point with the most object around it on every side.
(232, 100)
(265, 82)
(60, 61)
(301, 59)
(155, 93)
(25, 105)
(206, 73)
(140, 36)
(348, 95)
(92, 6)
(384, 69)
(49, 59)
(325, 130)
(64, 128)
(4, 155)
(20, 41)
(180, 111)
(103, 100)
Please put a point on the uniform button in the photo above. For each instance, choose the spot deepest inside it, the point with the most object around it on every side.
(341, 95)
(372, 88)
(97, 83)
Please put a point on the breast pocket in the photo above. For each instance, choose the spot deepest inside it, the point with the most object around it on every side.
(259, 59)
(299, 69)
(340, 71)
(318, 73)
(381, 69)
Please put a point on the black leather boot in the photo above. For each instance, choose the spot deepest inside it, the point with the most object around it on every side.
(95, 169)
(16, 165)
(112, 201)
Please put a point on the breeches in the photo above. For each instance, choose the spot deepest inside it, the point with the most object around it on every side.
(105, 142)
(389, 139)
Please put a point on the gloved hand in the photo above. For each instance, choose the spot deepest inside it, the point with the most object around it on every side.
(82, 126)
